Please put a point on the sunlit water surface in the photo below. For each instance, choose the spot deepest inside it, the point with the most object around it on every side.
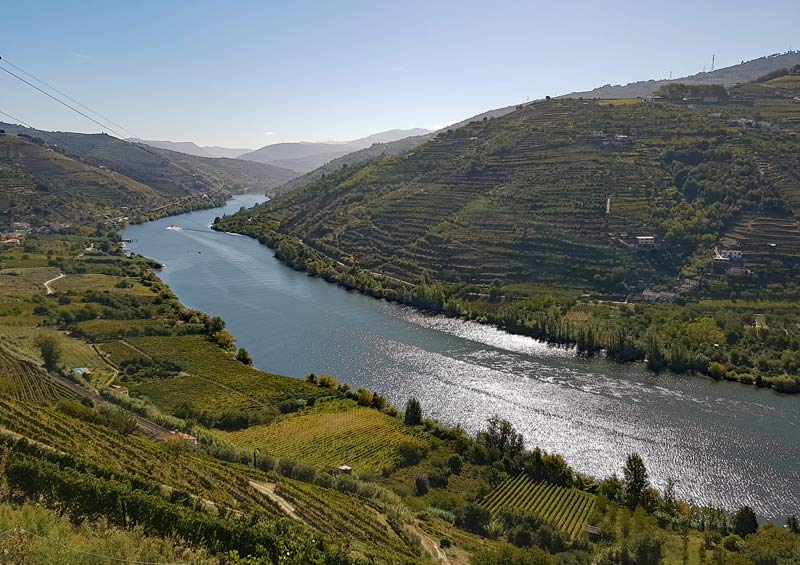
(726, 444)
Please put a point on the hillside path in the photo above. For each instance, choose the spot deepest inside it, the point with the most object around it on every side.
(47, 283)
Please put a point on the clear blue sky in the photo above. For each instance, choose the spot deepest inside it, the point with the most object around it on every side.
(246, 74)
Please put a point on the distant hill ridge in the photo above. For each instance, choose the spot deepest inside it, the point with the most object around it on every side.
(168, 172)
(191, 148)
(746, 71)
(307, 156)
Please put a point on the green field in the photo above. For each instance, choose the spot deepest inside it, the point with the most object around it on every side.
(23, 381)
(212, 379)
(567, 508)
(361, 438)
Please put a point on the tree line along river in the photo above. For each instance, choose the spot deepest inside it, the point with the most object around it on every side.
(726, 444)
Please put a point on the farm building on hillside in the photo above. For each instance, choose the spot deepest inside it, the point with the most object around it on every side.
(81, 371)
(119, 389)
(645, 240)
(345, 470)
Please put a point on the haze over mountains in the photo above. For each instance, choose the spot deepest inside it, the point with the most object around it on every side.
(306, 156)
(191, 148)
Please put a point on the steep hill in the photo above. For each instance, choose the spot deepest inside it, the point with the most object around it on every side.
(354, 158)
(555, 192)
(40, 185)
(379, 149)
(307, 156)
(746, 71)
(167, 172)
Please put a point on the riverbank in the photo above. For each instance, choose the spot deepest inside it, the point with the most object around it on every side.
(723, 340)
(463, 372)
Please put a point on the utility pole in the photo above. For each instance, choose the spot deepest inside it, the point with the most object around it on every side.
(712, 61)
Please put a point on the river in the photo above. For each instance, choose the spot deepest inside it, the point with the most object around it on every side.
(726, 444)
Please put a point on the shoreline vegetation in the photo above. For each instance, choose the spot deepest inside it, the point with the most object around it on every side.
(697, 343)
(413, 487)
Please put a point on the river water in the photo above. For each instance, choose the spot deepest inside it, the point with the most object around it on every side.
(726, 444)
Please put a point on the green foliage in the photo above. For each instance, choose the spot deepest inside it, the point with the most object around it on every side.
(243, 356)
(413, 413)
(50, 351)
(744, 522)
(421, 485)
(637, 481)
(680, 91)
(506, 555)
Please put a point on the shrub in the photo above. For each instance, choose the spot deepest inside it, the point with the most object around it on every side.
(409, 453)
(364, 397)
(326, 381)
(421, 485)
(455, 463)
(474, 518)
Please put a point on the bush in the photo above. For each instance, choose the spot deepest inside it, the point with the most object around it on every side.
(409, 453)
(421, 485)
(364, 397)
(326, 381)
(474, 518)
(455, 463)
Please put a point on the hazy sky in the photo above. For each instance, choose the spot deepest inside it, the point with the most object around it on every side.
(246, 74)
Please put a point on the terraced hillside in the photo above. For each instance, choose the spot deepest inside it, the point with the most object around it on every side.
(554, 192)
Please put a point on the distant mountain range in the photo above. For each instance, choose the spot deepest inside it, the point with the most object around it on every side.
(306, 156)
(746, 71)
(191, 148)
(67, 177)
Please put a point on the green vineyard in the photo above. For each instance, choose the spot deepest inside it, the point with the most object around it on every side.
(23, 381)
(362, 438)
(567, 508)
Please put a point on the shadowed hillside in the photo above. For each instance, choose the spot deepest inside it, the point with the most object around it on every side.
(39, 184)
(170, 173)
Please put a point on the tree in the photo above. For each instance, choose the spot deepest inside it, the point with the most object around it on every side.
(745, 522)
(502, 435)
(413, 415)
(793, 524)
(214, 325)
(50, 349)
(422, 485)
(636, 480)
(243, 356)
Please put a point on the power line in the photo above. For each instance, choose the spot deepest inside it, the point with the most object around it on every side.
(157, 155)
(104, 126)
(67, 96)
(48, 134)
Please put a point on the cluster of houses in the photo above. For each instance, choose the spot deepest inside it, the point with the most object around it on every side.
(687, 286)
(14, 233)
